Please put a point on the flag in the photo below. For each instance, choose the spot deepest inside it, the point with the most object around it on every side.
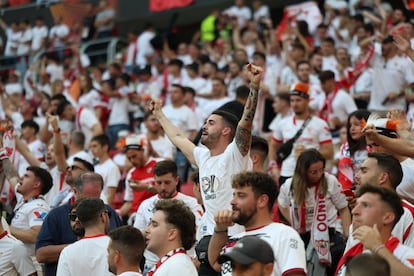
(162, 5)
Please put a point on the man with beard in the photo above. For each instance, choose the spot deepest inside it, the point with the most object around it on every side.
(125, 249)
(56, 233)
(315, 134)
(75, 225)
(221, 157)
(254, 195)
(88, 256)
(166, 181)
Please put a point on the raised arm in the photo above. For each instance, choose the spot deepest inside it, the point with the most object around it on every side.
(9, 170)
(26, 153)
(57, 143)
(176, 135)
(243, 135)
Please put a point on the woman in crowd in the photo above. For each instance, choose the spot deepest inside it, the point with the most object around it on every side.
(310, 201)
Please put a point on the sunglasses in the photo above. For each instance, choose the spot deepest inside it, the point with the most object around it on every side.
(74, 167)
(72, 216)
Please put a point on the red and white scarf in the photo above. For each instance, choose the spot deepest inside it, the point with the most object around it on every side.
(319, 228)
(357, 249)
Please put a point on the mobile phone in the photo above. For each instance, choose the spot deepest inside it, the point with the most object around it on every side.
(349, 193)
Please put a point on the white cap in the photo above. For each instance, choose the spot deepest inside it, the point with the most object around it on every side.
(137, 142)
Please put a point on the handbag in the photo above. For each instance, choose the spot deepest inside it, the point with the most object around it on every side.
(284, 151)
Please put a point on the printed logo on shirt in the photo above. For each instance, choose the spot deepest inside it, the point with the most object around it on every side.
(411, 261)
(209, 185)
(293, 244)
(39, 215)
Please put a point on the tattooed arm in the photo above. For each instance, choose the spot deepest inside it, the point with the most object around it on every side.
(243, 135)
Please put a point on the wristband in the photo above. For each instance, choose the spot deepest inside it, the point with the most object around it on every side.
(378, 248)
(56, 131)
(219, 231)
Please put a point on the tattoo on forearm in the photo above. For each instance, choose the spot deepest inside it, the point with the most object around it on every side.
(251, 104)
(243, 139)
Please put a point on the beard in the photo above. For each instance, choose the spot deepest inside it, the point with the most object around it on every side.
(243, 216)
(78, 231)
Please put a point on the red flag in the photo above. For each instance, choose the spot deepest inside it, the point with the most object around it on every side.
(162, 5)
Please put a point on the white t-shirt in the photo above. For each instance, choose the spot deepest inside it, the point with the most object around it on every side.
(146, 209)
(242, 13)
(111, 176)
(119, 108)
(390, 76)
(403, 230)
(286, 243)
(90, 100)
(163, 147)
(39, 33)
(12, 42)
(144, 47)
(88, 256)
(406, 186)
(315, 134)
(24, 42)
(85, 120)
(403, 253)
(335, 200)
(59, 184)
(29, 214)
(14, 259)
(215, 182)
(178, 263)
(182, 117)
(37, 148)
(207, 106)
(146, 212)
(342, 105)
(57, 34)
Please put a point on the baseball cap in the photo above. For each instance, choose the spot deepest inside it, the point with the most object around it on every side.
(300, 89)
(248, 250)
(137, 142)
(384, 126)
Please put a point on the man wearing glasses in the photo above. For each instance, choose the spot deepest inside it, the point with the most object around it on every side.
(56, 233)
(89, 255)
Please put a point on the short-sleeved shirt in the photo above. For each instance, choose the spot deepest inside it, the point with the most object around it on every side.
(315, 134)
(215, 182)
(56, 230)
(28, 214)
(335, 200)
(286, 243)
(14, 259)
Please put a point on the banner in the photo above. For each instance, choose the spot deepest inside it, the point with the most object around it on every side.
(162, 5)
(307, 11)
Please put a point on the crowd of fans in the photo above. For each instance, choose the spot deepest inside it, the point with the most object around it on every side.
(299, 134)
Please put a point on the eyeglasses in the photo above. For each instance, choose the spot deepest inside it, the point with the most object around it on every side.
(72, 216)
(74, 167)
